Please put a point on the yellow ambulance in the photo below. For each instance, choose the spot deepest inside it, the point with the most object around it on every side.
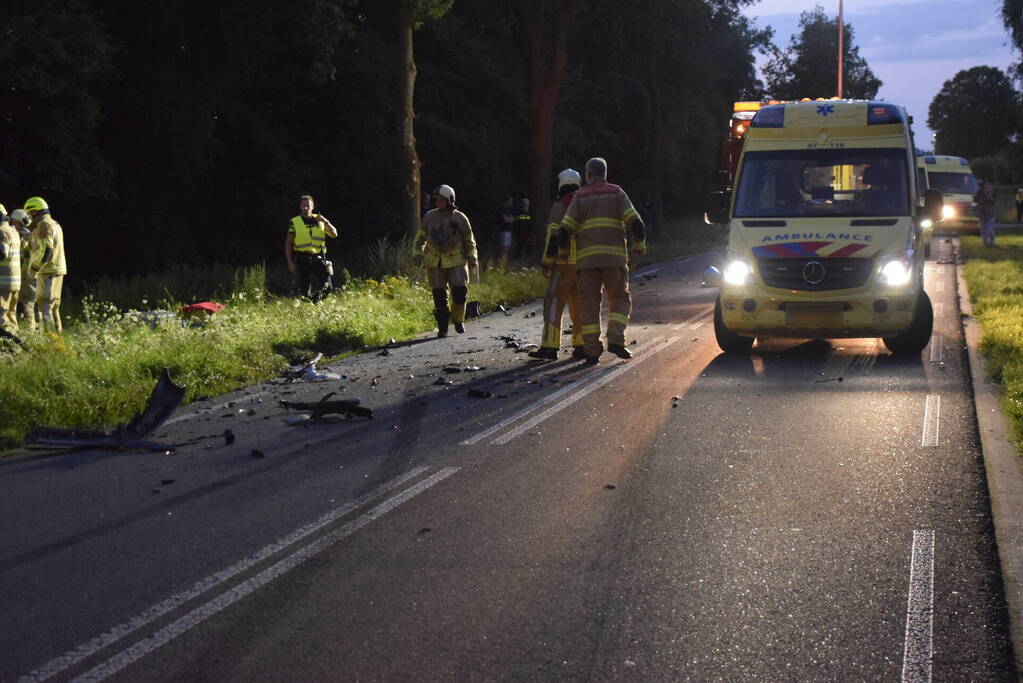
(954, 178)
(826, 228)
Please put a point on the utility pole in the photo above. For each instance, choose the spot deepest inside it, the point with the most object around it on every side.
(841, 50)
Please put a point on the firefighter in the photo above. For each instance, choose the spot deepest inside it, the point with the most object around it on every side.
(20, 221)
(598, 218)
(446, 243)
(10, 273)
(560, 270)
(47, 262)
(305, 248)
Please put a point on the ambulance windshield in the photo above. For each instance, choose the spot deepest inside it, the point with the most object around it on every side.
(952, 183)
(823, 182)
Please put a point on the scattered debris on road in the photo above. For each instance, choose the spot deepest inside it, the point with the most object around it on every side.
(164, 400)
(256, 453)
(344, 407)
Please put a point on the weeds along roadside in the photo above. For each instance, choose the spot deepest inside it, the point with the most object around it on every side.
(102, 370)
(995, 280)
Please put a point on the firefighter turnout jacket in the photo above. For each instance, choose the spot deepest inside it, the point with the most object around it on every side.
(10, 259)
(597, 219)
(47, 247)
(551, 255)
(310, 234)
(445, 239)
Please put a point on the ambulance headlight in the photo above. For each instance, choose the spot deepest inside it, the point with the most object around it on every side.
(948, 211)
(926, 224)
(897, 270)
(737, 272)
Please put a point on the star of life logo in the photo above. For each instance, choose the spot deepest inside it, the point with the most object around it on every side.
(825, 109)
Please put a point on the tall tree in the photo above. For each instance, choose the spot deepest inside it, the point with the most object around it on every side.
(411, 15)
(545, 28)
(975, 113)
(809, 66)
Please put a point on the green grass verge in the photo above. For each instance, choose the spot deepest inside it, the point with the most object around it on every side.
(102, 370)
(995, 279)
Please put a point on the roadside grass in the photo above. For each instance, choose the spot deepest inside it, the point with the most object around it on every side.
(995, 279)
(102, 370)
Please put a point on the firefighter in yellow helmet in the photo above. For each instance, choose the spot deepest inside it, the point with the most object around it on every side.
(10, 273)
(598, 218)
(305, 248)
(47, 262)
(448, 248)
(561, 273)
(20, 221)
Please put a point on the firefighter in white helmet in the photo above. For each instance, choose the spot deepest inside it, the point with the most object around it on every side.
(20, 221)
(448, 249)
(47, 262)
(560, 269)
(10, 273)
(599, 218)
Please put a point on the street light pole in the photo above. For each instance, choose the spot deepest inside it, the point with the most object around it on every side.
(841, 50)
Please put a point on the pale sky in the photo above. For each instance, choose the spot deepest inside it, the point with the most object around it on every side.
(911, 45)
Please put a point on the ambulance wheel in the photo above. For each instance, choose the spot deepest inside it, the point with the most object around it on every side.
(916, 338)
(729, 341)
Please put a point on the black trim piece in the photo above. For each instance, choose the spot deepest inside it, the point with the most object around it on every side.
(764, 224)
(866, 222)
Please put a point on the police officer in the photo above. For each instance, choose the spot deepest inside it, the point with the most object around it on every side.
(47, 262)
(305, 248)
(448, 249)
(598, 218)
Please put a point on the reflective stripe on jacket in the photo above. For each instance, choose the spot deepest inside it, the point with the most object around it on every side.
(558, 210)
(48, 235)
(445, 239)
(309, 239)
(10, 267)
(597, 218)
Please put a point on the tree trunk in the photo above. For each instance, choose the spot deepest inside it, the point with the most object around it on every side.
(411, 206)
(546, 70)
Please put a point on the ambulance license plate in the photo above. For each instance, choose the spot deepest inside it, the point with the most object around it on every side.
(813, 316)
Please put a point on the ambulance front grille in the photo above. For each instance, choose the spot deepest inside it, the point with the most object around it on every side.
(794, 273)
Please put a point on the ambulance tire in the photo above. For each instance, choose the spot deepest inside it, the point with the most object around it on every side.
(729, 341)
(918, 336)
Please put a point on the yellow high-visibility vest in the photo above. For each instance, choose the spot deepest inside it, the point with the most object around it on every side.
(310, 239)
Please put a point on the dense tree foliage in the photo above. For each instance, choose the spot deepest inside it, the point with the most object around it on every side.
(809, 66)
(183, 131)
(975, 113)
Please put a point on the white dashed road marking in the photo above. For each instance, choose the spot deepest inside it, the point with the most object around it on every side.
(932, 415)
(916, 659)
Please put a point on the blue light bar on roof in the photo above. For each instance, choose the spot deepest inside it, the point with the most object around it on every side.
(879, 114)
(770, 117)
(963, 162)
(930, 160)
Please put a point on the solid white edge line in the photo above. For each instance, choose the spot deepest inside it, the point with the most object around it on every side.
(917, 654)
(529, 424)
(932, 417)
(225, 600)
(85, 650)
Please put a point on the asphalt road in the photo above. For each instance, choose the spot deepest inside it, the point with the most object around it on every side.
(815, 511)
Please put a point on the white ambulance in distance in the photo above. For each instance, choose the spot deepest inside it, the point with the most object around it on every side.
(826, 228)
(954, 178)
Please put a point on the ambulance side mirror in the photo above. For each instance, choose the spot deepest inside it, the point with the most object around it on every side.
(933, 203)
(717, 207)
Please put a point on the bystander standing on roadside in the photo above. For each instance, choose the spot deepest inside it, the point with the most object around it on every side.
(1019, 205)
(48, 262)
(985, 201)
(523, 229)
(505, 222)
(20, 221)
(305, 248)
(10, 273)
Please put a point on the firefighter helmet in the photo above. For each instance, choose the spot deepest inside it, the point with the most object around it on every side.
(447, 192)
(36, 204)
(569, 177)
(19, 217)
